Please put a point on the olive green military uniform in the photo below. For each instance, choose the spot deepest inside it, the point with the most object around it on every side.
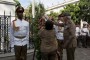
(49, 44)
(70, 39)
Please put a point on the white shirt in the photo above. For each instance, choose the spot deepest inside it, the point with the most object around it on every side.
(77, 31)
(59, 34)
(83, 30)
(23, 31)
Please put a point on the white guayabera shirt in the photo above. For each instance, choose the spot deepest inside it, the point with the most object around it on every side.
(83, 30)
(23, 31)
(77, 31)
(59, 34)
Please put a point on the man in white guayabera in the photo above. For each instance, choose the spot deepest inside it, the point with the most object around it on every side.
(20, 33)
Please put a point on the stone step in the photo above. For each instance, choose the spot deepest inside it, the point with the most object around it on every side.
(12, 53)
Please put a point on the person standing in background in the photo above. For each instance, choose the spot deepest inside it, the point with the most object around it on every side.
(78, 34)
(84, 34)
(59, 34)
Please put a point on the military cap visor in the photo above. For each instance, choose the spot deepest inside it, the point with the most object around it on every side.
(20, 10)
(66, 14)
(61, 15)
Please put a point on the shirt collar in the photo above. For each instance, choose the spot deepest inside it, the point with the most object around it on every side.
(20, 20)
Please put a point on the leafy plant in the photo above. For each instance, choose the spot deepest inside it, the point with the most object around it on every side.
(17, 3)
(73, 9)
(39, 12)
(85, 10)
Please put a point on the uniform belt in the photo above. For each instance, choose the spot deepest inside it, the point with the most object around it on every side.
(60, 31)
(20, 37)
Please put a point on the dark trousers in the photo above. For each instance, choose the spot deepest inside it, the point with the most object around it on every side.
(88, 41)
(70, 53)
(60, 49)
(84, 41)
(49, 56)
(20, 52)
(78, 41)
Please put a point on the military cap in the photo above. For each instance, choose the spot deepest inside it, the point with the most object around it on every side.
(60, 15)
(19, 9)
(66, 14)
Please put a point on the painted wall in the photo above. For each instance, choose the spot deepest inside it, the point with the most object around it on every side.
(7, 0)
(7, 6)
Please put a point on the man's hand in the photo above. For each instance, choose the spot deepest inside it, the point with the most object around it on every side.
(16, 28)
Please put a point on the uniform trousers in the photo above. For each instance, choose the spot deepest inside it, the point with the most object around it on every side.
(70, 53)
(60, 49)
(49, 56)
(20, 52)
(84, 41)
(78, 41)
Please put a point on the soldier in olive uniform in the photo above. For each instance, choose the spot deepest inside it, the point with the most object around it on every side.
(70, 42)
(49, 43)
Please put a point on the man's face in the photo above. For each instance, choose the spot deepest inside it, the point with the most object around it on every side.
(65, 19)
(20, 15)
(61, 18)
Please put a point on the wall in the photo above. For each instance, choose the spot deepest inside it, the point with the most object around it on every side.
(7, 6)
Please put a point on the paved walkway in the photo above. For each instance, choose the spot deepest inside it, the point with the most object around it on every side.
(80, 54)
(12, 54)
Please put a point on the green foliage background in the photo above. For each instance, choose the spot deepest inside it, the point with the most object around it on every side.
(73, 9)
(17, 3)
(39, 12)
(85, 10)
(78, 11)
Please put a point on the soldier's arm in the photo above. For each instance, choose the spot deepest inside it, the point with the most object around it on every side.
(72, 35)
(14, 26)
(59, 24)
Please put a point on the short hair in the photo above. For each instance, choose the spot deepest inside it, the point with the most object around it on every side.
(19, 9)
(67, 14)
(48, 25)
